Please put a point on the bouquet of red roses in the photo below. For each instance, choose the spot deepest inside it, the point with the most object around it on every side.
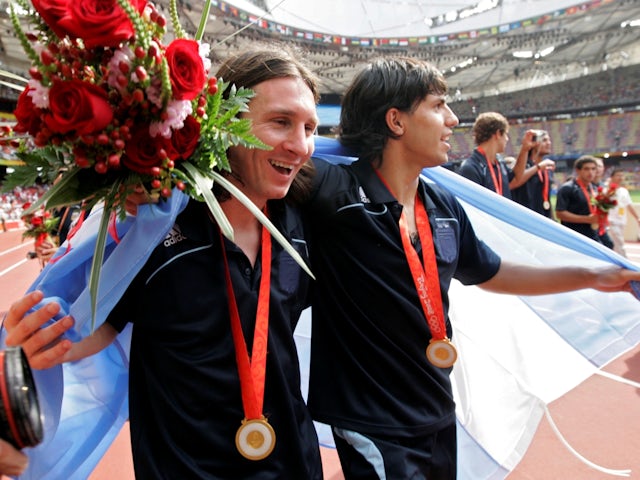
(603, 201)
(40, 225)
(111, 106)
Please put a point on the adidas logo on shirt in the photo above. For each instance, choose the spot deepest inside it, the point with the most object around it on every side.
(174, 236)
(363, 196)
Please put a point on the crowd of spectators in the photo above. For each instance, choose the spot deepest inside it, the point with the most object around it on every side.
(601, 91)
(11, 204)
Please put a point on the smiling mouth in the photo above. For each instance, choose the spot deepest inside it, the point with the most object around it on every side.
(283, 168)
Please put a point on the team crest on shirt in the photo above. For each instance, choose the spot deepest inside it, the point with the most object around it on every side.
(445, 239)
(174, 236)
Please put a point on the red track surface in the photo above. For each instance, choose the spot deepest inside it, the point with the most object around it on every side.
(600, 418)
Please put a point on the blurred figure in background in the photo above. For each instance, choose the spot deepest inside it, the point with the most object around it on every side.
(573, 205)
(535, 190)
(485, 167)
(618, 214)
(605, 239)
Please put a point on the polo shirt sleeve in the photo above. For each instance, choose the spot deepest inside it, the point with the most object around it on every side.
(563, 198)
(469, 170)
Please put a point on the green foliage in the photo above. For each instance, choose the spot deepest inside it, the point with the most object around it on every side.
(221, 128)
(40, 165)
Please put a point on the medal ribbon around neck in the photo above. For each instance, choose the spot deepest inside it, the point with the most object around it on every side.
(440, 351)
(587, 195)
(255, 439)
(543, 175)
(496, 176)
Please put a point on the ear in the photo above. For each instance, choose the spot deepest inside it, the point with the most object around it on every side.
(395, 121)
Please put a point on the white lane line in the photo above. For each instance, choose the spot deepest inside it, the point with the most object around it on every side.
(17, 247)
(15, 265)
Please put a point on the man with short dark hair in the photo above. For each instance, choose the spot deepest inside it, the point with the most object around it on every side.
(574, 206)
(385, 246)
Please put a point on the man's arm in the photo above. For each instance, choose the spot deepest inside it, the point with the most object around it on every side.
(520, 279)
(520, 171)
(567, 216)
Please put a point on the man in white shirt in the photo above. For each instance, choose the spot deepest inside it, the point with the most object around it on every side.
(618, 214)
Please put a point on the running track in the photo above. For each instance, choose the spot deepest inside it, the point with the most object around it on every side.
(600, 418)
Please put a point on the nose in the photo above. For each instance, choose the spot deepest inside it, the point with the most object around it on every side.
(452, 119)
(299, 142)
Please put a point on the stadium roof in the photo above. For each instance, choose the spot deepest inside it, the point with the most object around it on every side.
(484, 47)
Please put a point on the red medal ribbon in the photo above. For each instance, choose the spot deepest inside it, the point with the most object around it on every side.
(587, 195)
(252, 371)
(543, 175)
(497, 180)
(425, 278)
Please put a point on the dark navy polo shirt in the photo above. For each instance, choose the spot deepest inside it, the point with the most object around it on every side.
(570, 198)
(475, 168)
(184, 390)
(369, 370)
(531, 193)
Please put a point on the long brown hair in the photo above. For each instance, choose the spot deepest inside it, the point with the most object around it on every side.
(267, 62)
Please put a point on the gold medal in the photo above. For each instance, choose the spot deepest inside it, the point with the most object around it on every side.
(442, 353)
(546, 205)
(255, 439)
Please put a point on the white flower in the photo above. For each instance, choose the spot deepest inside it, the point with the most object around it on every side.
(177, 111)
(203, 51)
(39, 94)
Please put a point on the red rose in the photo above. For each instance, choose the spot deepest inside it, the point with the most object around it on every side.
(183, 142)
(100, 23)
(141, 151)
(52, 11)
(36, 221)
(28, 116)
(186, 69)
(77, 105)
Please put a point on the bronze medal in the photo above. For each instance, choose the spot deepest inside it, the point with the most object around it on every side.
(442, 353)
(255, 439)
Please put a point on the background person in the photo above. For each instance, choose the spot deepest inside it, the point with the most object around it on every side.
(618, 215)
(573, 202)
(535, 190)
(598, 181)
(485, 167)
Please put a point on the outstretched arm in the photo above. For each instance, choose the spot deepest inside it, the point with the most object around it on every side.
(44, 345)
(529, 280)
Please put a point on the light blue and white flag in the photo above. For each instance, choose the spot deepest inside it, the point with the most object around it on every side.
(84, 404)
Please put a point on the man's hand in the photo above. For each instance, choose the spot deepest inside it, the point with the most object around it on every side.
(12, 461)
(547, 164)
(43, 346)
(45, 251)
(139, 197)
